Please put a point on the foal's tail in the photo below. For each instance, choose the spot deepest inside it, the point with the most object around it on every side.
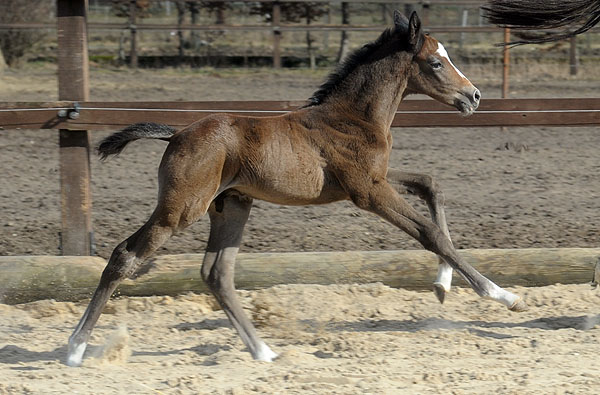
(570, 17)
(114, 144)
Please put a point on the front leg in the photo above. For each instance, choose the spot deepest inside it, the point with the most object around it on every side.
(426, 188)
(381, 198)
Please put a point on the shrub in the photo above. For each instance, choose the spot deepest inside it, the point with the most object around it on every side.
(14, 43)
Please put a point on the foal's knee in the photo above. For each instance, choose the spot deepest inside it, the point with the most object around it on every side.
(433, 239)
(122, 264)
(217, 270)
(436, 193)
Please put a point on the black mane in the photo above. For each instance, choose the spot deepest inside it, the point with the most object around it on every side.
(356, 58)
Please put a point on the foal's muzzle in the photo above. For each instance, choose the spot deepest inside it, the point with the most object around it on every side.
(467, 101)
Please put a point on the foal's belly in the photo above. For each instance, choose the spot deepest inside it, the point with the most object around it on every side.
(292, 188)
(290, 176)
(291, 198)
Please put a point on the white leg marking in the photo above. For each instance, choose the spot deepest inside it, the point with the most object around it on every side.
(264, 353)
(75, 355)
(444, 276)
(501, 295)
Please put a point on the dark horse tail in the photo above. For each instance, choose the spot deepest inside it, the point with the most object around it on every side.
(114, 144)
(569, 17)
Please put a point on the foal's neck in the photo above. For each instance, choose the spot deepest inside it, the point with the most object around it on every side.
(374, 90)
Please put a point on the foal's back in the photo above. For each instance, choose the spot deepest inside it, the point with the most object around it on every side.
(278, 159)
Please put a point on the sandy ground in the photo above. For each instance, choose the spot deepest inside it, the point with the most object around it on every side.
(540, 192)
(341, 339)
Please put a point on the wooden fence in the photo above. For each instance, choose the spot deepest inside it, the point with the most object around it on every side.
(276, 27)
(68, 115)
(30, 278)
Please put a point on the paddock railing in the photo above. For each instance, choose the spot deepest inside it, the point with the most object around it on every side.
(88, 115)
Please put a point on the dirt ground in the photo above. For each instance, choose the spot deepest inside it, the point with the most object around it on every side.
(524, 187)
(338, 339)
(541, 192)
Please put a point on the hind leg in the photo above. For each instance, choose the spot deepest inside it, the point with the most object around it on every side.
(128, 256)
(228, 216)
(427, 189)
(125, 259)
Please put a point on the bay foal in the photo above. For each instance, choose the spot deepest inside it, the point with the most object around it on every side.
(335, 148)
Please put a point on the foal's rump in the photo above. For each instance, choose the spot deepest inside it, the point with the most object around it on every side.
(267, 158)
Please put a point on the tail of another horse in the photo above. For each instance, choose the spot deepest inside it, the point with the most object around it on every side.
(115, 143)
(570, 17)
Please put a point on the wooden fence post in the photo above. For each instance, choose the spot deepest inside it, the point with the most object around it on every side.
(73, 85)
(505, 64)
(574, 62)
(463, 22)
(133, 58)
(276, 22)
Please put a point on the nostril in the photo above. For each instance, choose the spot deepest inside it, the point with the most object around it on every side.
(477, 95)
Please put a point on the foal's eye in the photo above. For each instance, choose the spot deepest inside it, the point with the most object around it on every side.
(436, 65)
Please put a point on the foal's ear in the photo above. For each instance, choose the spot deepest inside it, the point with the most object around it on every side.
(400, 21)
(415, 32)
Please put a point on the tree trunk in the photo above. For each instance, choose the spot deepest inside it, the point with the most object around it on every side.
(221, 15)
(2, 62)
(133, 58)
(180, 18)
(309, 41)
(345, 40)
(121, 53)
(194, 12)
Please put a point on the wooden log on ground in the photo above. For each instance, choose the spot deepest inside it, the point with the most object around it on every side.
(29, 278)
(73, 278)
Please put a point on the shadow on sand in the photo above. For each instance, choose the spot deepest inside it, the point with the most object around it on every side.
(478, 327)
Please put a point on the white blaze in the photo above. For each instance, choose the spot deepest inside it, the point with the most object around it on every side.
(444, 54)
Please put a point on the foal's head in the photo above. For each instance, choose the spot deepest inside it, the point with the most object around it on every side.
(432, 72)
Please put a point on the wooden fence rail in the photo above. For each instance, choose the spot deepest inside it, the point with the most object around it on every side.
(89, 115)
(232, 27)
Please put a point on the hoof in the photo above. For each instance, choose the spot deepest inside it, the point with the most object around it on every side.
(265, 354)
(440, 292)
(75, 354)
(519, 306)
(73, 361)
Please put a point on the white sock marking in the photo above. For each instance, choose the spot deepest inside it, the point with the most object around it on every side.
(501, 295)
(264, 353)
(444, 276)
(75, 355)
